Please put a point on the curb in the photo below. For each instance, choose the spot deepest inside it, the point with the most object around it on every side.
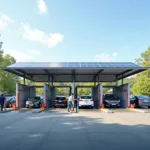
(106, 110)
(37, 110)
(6, 111)
(138, 110)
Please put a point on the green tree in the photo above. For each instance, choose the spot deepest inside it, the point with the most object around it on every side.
(7, 80)
(142, 85)
(142, 80)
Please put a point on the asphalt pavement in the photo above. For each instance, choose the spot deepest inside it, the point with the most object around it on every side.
(59, 130)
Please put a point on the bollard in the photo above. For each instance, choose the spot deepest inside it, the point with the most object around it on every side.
(102, 106)
(14, 106)
(43, 106)
(132, 106)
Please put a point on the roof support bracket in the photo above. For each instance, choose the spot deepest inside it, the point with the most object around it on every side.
(46, 71)
(98, 73)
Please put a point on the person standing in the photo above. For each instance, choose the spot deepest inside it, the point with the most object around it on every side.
(2, 101)
(70, 102)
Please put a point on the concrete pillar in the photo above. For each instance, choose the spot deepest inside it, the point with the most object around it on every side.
(73, 84)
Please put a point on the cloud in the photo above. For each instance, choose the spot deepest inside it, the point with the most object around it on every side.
(103, 57)
(115, 54)
(42, 6)
(34, 52)
(20, 56)
(50, 40)
(5, 20)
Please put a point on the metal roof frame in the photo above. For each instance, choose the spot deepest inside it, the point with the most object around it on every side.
(81, 74)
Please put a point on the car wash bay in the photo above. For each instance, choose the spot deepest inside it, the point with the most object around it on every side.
(95, 72)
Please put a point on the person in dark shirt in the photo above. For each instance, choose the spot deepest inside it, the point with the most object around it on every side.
(2, 101)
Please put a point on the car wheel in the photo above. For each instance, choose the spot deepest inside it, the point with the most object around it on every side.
(148, 106)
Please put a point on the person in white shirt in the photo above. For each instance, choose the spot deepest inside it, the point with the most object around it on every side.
(70, 102)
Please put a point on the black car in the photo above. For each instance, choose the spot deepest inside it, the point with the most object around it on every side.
(110, 100)
(34, 102)
(60, 101)
(10, 101)
(140, 101)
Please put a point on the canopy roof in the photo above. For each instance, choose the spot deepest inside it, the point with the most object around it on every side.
(80, 71)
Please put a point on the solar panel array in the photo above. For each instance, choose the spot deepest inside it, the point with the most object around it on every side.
(74, 65)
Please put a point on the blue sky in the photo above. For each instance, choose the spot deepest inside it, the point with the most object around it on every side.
(75, 30)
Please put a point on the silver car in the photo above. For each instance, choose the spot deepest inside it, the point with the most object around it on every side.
(34, 102)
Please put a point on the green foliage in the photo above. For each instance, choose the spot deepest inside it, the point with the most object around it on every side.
(141, 85)
(39, 91)
(142, 81)
(7, 80)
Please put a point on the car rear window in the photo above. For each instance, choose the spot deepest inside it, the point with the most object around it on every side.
(142, 96)
(86, 97)
(110, 97)
(60, 98)
(37, 98)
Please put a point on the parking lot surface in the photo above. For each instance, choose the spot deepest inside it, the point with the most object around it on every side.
(88, 129)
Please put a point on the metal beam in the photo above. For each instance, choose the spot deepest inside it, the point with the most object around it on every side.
(124, 72)
(73, 72)
(69, 74)
(58, 74)
(71, 81)
(17, 73)
(111, 86)
(99, 72)
(46, 71)
(130, 74)
(62, 86)
(24, 73)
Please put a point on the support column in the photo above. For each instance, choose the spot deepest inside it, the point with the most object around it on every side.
(49, 80)
(73, 84)
(116, 81)
(52, 80)
(31, 82)
(95, 81)
(122, 79)
(98, 79)
(24, 80)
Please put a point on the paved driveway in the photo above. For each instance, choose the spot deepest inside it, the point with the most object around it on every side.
(87, 130)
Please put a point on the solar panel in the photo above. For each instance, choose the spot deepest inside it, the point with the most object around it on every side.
(74, 65)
